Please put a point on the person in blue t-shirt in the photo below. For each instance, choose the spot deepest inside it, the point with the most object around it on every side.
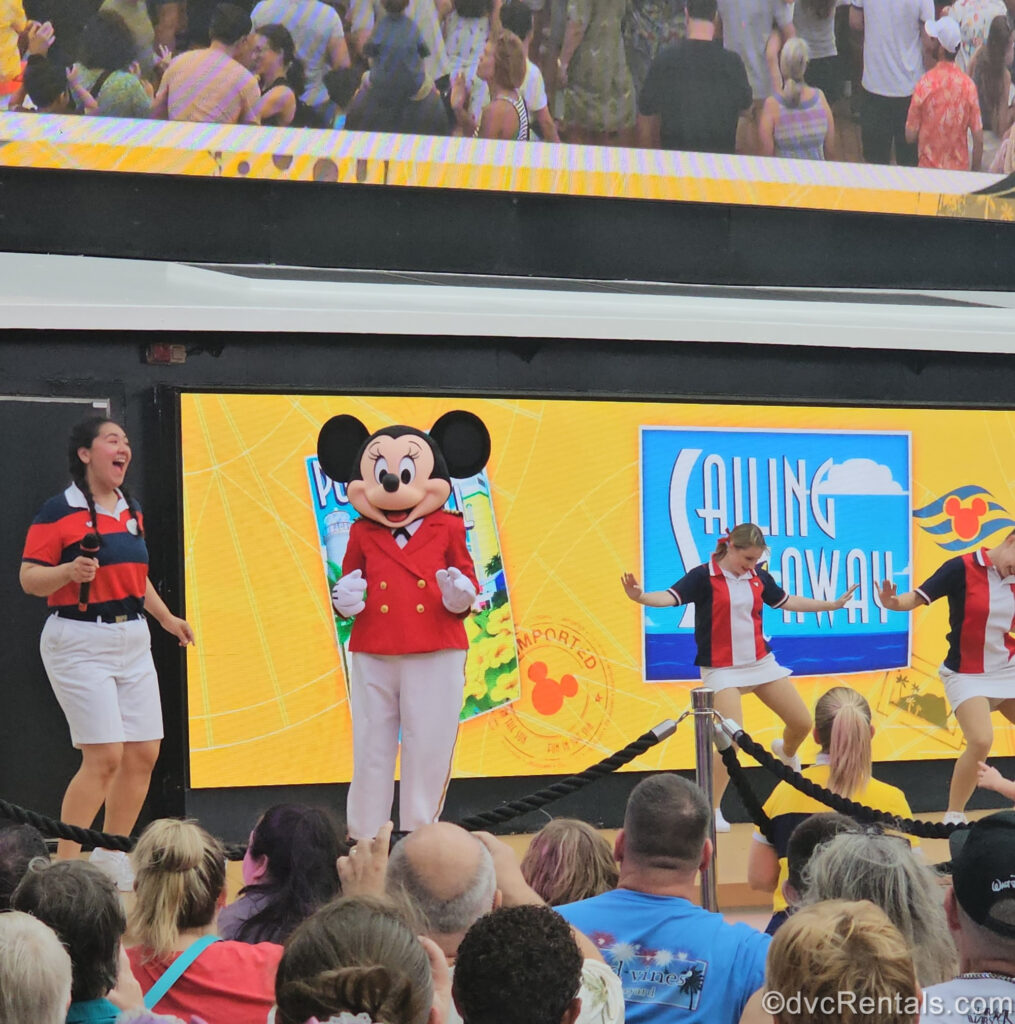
(675, 960)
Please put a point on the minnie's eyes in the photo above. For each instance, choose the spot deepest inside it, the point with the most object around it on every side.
(380, 468)
(407, 470)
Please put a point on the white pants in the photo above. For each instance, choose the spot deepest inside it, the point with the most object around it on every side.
(421, 695)
(104, 678)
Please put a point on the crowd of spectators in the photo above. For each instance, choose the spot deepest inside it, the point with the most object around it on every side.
(447, 926)
(929, 83)
(444, 928)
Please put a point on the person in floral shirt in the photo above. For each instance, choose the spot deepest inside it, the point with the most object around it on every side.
(973, 18)
(945, 108)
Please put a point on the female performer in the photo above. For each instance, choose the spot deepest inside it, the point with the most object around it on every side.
(978, 672)
(733, 656)
(95, 645)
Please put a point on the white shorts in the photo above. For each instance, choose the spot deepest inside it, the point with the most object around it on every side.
(997, 686)
(104, 678)
(745, 677)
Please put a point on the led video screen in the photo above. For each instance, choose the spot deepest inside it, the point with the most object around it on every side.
(562, 668)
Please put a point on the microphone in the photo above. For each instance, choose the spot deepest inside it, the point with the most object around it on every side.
(88, 548)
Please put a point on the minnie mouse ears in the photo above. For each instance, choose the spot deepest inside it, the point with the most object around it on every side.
(338, 446)
(461, 437)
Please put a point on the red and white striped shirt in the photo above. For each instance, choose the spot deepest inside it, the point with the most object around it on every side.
(981, 612)
(727, 612)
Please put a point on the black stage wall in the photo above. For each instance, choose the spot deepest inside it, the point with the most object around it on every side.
(35, 758)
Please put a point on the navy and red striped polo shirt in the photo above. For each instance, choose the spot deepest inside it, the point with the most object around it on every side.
(981, 612)
(727, 613)
(55, 538)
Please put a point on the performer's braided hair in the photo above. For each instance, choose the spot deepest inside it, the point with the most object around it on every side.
(83, 436)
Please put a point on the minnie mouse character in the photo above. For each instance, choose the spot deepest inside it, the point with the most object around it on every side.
(408, 579)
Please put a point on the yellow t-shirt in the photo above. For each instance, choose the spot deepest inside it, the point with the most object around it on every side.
(12, 24)
(787, 807)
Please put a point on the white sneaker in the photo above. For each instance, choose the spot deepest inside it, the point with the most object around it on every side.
(116, 864)
(793, 762)
(721, 824)
(955, 818)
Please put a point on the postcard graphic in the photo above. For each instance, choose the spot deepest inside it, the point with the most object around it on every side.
(491, 671)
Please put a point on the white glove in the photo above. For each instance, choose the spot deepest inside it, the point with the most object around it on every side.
(457, 590)
(347, 594)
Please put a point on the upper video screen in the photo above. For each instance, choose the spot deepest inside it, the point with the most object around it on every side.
(877, 106)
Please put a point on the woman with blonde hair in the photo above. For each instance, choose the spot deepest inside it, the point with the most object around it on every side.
(175, 953)
(359, 955)
(728, 593)
(568, 861)
(502, 68)
(839, 962)
(796, 121)
(884, 870)
(843, 731)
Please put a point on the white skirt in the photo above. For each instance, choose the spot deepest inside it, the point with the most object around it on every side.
(996, 686)
(744, 677)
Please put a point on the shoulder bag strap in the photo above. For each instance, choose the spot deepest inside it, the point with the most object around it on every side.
(99, 83)
(176, 969)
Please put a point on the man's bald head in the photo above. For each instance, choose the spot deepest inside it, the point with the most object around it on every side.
(447, 873)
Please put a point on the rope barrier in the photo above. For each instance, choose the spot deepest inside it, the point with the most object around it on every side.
(51, 828)
(747, 795)
(515, 808)
(860, 812)
(54, 829)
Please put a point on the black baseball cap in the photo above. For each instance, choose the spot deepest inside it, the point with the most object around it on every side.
(983, 870)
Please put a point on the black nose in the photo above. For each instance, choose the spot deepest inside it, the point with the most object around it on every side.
(389, 482)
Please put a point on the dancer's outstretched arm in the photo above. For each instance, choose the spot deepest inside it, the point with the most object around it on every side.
(895, 602)
(653, 598)
(813, 604)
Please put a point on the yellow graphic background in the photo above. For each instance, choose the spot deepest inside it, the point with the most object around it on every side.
(267, 702)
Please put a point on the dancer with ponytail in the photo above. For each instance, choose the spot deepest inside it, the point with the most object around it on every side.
(978, 671)
(843, 732)
(97, 651)
(728, 594)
